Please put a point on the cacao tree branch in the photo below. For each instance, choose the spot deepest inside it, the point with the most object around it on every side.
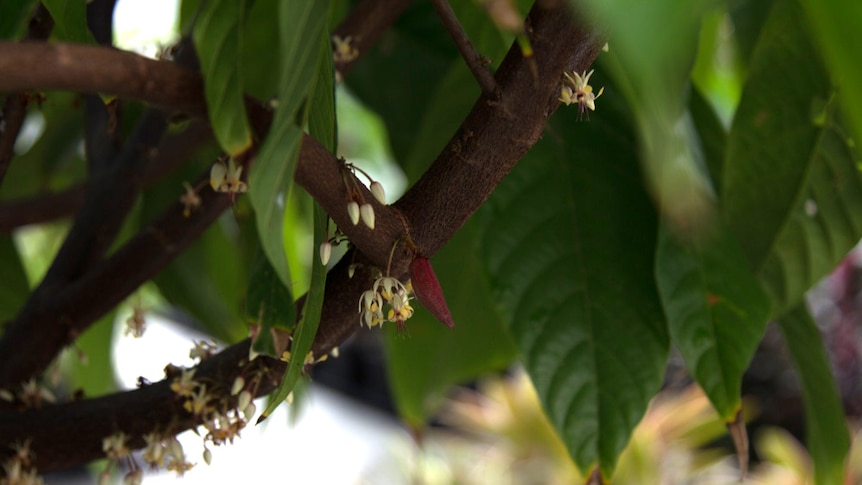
(491, 140)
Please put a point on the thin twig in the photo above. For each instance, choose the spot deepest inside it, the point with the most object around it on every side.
(474, 61)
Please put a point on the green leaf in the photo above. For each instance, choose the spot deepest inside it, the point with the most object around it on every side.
(260, 80)
(70, 20)
(826, 431)
(14, 288)
(88, 364)
(773, 142)
(13, 15)
(652, 67)
(322, 126)
(822, 227)
(301, 24)
(836, 24)
(716, 311)
(569, 243)
(270, 305)
(422, 369)
(217, 36)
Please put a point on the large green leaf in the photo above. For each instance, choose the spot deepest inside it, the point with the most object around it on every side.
(836, 24)
(826, 431)
(13, 15)
(259, 78)
(569, 243)
(14, 288)
(773, 142)
(423, 368)
(70, 20)
(300, 27)
(217, 35)
(716, 312)
(322, 126)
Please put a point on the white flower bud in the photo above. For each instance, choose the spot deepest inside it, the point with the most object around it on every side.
(218, 176)
(353, 212)
(238, 384)
(249, 411)
(351, 270)
(325, 252)
(289, 398)
(335, 352)
(367, 212)
(244, 400)
(208, 456)
(379, 193)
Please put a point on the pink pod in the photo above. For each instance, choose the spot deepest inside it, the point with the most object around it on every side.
(427, 290)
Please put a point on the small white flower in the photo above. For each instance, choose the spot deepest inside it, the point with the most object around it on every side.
(579, 91)
(388, 286)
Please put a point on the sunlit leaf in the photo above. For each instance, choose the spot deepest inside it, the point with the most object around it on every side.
(569, 240)
(271, 178)
(217, 35)
(70, 20)
(716, 312)
(826, 431)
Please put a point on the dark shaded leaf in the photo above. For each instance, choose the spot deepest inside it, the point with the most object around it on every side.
(826, 431)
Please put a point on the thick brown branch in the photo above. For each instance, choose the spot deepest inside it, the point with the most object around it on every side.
(94, 69)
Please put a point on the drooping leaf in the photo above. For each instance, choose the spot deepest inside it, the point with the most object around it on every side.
(269, 305)
(836, 27)
(300, 27)
(70, 20)
(773, 142)
(716, 311)
(322, 126)
(14, 287)
(217, 35)
(13, 15)
(826, 431)
(423, 368)
(569, 243)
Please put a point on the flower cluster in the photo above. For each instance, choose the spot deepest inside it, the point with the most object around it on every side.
(31, 395)
(577, 89)
(357, 208)
(386, 290)
(19, 469)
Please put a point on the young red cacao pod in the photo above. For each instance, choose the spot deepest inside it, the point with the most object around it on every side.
(427, 290)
